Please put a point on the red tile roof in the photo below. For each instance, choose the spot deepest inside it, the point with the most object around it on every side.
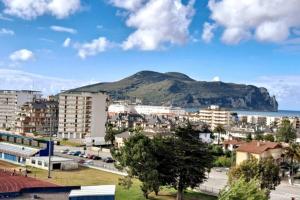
(258, 147)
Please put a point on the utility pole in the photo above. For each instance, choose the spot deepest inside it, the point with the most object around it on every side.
(50, 144)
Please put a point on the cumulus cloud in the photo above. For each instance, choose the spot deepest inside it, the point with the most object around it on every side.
(208, 33)
(67, 42)
(92, 48)
(63, 29)
(285, 88)
(31, 9)
(4, 31)
(263, 20)
(216, 79)
(22, 55)
(20, 80)
(156, 22)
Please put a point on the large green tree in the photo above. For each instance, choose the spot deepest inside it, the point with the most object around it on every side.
(110, 134)
(264, 170)
(292, 152)
(286, 132)
(243, 189)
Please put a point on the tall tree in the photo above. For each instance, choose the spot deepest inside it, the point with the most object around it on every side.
(293, 154)
(242, 189)
(264, 170)
(286, 132)
(110, 134)
(219, 130)
(269, 137)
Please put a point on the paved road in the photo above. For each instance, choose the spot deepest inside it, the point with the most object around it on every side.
(218, 180)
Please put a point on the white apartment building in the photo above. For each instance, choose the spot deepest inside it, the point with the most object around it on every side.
(145, 109)
(215, 116)
(83, 115)
(11, 102)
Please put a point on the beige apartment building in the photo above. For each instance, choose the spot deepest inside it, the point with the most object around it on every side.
(10, 104)
(215, 116)
(83, 115)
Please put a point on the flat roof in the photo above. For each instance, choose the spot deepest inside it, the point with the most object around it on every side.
(17, 149)
(53, 158)
(100, 190)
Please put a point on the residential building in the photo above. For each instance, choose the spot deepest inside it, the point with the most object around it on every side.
(83, 115)
(259, 150)
(39, 116)
(214, 116)
(10, 103)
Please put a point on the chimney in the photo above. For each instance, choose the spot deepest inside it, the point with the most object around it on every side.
(258, 144)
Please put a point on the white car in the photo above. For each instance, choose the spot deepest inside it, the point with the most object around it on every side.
(88, 162)
(65, 151)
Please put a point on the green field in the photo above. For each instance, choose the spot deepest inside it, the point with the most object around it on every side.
(86, 176)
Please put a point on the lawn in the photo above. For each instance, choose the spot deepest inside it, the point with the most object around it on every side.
(86, 176)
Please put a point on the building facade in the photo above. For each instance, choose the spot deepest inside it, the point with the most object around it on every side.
(83, 115)
(11, 102)
(40, 116)
(215, 116)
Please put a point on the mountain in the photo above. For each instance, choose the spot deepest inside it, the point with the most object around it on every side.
(178, 89)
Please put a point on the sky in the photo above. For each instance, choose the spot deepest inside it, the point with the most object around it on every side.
(52, 45)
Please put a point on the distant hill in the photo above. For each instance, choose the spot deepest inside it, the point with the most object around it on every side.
(178, 89)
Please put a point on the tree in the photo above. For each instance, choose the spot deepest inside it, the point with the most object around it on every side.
(220, 130)
(265, 170)
(293, 153)
(243, 190)
(138, 159)
(286, 132)
(110, 135)
(269, 137)
(249, 137)
(259, 135)
(190, 160)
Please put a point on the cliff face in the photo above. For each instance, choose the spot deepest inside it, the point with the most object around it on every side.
(180, 90)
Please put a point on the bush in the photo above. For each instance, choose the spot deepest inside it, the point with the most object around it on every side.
(222, 161)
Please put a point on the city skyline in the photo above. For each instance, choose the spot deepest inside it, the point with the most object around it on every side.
(52, 45)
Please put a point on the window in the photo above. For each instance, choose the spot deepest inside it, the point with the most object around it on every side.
(40, 163)
(33, 162)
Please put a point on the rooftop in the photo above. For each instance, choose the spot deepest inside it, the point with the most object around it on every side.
(101, 190)
(53, 159)
(258, 147)
(18, 149)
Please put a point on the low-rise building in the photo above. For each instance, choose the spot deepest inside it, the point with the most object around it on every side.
(57, 163)
(259, 150)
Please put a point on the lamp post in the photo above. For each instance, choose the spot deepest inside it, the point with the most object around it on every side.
(50, 145)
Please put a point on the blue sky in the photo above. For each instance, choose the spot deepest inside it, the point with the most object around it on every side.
(106, 40)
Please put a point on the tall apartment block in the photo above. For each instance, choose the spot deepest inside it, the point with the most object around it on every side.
(11, 102)
(215, 116)
(83, 115)
(39, 116)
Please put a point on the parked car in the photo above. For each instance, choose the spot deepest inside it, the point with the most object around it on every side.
(81, 155)
(91, 156)
(77, 153)
(96, 158)
(85, 156)
(71, 153)
(109, 160)
(65, 151)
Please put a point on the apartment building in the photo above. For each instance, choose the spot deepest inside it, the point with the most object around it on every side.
(83, 115)
(215, 116)
(10, 103)
(40, 116)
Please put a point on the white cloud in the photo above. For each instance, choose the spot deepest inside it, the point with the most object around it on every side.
(4, 31)
(63, 29)
(15, 79)
(92, 48)
(285, 88)
(216, 79)
(22, 55)
(157, 22)
(208, 33)
(31, 9)
(2, 17)
(264, 20)
(67, 42)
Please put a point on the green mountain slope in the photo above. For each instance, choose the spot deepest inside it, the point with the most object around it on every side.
(180, 90)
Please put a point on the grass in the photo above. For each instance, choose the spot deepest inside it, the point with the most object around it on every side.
(70, 143)
(86, 176)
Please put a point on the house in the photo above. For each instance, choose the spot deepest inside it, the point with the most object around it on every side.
(259, 150)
